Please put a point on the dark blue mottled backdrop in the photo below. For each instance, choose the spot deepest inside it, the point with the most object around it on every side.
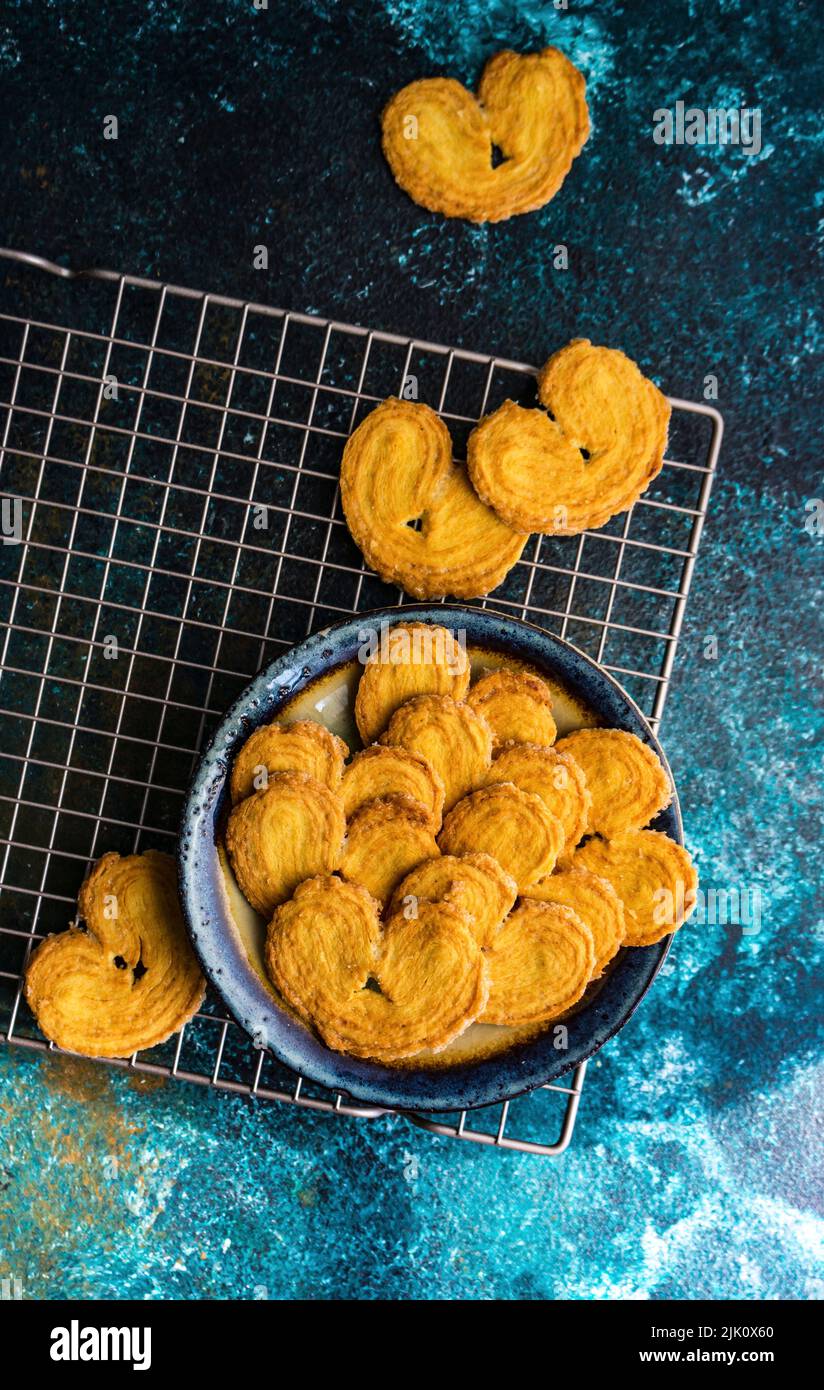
(692, 1171)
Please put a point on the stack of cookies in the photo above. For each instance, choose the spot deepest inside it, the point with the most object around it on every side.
(438, 876)
(438, 528)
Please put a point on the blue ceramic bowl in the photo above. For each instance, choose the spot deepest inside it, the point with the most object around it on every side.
(223, 955)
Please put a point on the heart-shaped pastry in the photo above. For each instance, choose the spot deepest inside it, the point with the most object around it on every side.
(653, 876)
(516, 705)
(325, 950)
(590, 457)
(515, 827)
(291, 830)
(410, 659)
(381, 771)
(595, 901)
(553, 776)
(304, 746)
(130, 979)
(628, 786)
(475, 882)
(438, 138)
(539, 966)
(414, 513)
(385, 839)
(322, 945)
(455, 740)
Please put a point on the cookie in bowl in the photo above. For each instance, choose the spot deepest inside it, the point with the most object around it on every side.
(414, 1015)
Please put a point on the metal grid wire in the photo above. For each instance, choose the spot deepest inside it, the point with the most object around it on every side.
(172, 523)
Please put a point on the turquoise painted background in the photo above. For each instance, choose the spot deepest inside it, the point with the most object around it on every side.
(693, 1169)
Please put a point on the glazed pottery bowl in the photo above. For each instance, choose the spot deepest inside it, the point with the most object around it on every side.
(225, 956)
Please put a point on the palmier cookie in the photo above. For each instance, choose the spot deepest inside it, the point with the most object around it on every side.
(382, 771)
(592, 456)
(552, 775)
(304, 746)
(326, 945)
(291, 830)
(516, 705)
(626, 781)
(438, 138)
(322, 945)
(130, 979)
(412, 659)
(433, 981)
(455, 740)
(385, 839)
(515, 827)
(595, 901)
(475, 882)
(652, 875)
(414, 513)
(539, 966)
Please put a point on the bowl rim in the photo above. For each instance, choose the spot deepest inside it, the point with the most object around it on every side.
(217, 942)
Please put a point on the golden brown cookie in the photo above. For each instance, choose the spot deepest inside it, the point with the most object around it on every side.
(275, 838)
(476, 882)
(438, 138)
(595, 901)
(413, 512)
(304, 746)
(385, 840)
(130, 978)
(433, 981)
(412, 659)
(381, 771)
(553, 776)
(322, 945)
(515, 827)
(591, 457)
(626, 781)
(539, 966)
(388, 995)
(455, 740)
(516, 705)
(652, 875)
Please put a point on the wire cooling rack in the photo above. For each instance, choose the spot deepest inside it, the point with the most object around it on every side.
(171, 522)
